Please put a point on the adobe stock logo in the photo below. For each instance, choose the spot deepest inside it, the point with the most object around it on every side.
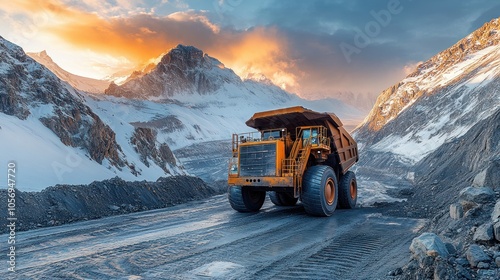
(372, 29)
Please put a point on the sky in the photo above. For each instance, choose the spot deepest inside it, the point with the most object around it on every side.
(313, 48)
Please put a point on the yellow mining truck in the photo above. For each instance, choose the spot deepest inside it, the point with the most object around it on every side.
(296, 153)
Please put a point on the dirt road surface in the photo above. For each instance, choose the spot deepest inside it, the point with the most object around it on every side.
(209, 240)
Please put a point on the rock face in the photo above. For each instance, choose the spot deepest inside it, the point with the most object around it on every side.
(145, 144)
(184, 69)
(27, 86)
(445, 97)
(425, 80)
(435, 125)
(79, 141)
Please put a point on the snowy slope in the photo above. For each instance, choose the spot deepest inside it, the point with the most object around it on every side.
(54, 137)
(194, 118)
(78, 82)
(440, 101)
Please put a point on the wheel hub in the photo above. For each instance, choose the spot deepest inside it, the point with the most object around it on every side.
(353, 190)
(330, 191)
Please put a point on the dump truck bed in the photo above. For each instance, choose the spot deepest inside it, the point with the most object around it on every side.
(290, 118)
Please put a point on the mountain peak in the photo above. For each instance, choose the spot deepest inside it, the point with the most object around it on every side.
(189, 57)
(43, 56)
(485, 36)
(183, 69)
(448, 68)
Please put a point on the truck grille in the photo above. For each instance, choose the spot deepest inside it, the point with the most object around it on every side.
(258, 160)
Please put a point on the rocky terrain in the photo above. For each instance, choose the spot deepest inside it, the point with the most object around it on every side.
(62, 204)
(27, 86)
(75, 144)
(460, 195)
(436, 134)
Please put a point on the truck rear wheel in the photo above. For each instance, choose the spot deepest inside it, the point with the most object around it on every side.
(245, 199)
(320, 191)
(348, 190)
(282, 199)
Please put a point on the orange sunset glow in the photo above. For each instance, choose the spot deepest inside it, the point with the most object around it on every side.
(144, 36)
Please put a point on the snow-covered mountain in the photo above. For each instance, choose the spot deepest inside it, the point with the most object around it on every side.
(190, 97)
(437, 104)
(78, 82)
(47, 128)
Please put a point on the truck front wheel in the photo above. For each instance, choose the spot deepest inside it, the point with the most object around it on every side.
(245, 199)
(320, 191)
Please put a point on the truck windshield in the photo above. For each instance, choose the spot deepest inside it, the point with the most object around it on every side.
(271, 134)
(312, 134)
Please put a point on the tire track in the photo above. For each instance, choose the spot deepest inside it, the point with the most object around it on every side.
(195, 240)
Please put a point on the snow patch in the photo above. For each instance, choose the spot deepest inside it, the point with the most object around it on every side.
(371, 192)
(217, 269)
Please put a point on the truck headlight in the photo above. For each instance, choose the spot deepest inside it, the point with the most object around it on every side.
(234, 169)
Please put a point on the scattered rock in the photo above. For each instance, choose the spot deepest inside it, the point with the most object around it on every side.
(479, 179)
(483, 265)
(475, 255)
(462, 262)
(463, 273)
(497, 261)
(485, 274)
(496, 230)
(428, 245)
(495, 214)
(484, 234)
(396, 272)
(477, 194)
(451, 249)
(114, 207)
(456, 211)
(63, 204)
(444, 271)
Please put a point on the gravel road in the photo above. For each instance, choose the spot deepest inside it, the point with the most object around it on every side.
(209, 240)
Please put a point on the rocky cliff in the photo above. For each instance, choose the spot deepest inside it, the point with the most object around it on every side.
(28, 88)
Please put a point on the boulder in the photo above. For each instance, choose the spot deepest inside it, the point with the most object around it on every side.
(479, 179)
(496, 230)
(456, 211)
(475, 255)
(484, 233)
(477, 195)
(428, 245)
(496, 212)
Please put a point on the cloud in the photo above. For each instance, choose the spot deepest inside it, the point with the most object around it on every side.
(140, 37)
(296, 44)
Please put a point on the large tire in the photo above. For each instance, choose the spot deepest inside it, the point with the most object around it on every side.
(320, 191)
(282, 199)
(245, 199)
(348, 190)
